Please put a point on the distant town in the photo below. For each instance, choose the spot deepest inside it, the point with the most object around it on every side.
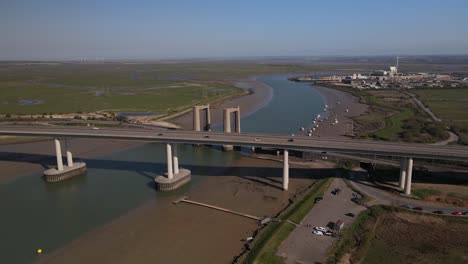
(389, 79)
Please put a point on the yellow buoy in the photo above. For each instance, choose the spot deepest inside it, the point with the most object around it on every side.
(39, 251)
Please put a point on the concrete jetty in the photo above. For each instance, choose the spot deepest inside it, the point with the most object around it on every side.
(185, 200)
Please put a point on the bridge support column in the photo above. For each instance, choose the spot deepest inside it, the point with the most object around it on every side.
(170, 174)
(63, 173)
(227, 123)
(401, 182)
(175, 179)
(176, 160)
(409, 174)
(69, 155)
(196, 118)
(285, 170)
(58, 153)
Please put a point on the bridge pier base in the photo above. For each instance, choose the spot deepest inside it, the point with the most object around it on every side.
(409, 174)
(176, 177)
(62, 173)
(285, 170)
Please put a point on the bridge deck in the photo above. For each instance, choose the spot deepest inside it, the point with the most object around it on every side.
(301, 143)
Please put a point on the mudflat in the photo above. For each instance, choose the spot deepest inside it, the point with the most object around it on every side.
(162, 232)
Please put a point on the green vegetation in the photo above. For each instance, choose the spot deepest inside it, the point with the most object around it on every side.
(451, 106)
(392, 115)
(57, 99)
(420, 130)
(264, 250)
(384, 234)
(394, 124)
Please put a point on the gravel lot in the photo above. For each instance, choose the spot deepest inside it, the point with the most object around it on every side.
(304, 247)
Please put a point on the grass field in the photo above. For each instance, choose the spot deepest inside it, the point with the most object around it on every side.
(451, 105)
(394, 124)
(264, 250)
(385, 234)
(57, 99)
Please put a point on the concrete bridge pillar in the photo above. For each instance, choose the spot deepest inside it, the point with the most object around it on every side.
(401, 182)
(227, 123)
(285, 170)
(176, 160)
(69, 155)
(409, 174)
(170, 173)
(196, 117)
(58, 153)
(176, 177)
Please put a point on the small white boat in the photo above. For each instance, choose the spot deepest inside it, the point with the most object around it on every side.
(302, 128)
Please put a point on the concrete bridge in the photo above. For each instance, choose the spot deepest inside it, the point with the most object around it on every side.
(406, 151)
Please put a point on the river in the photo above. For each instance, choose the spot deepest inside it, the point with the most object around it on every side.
(39, 215)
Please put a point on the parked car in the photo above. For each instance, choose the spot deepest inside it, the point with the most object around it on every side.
(465, 213)
(438, 212)
(457, 213)
(405, 206)
(318, 233)
(319, 228)
(417, 208)
(318, 199)
(350, 214)
(328, 233)
(336, 191)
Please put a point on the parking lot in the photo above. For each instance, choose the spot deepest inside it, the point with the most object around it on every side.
(302, 246)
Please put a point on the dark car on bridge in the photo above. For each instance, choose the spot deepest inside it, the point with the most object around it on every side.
(417, 208)
(438, 212)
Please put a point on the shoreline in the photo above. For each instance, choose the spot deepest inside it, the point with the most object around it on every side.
(338, 102)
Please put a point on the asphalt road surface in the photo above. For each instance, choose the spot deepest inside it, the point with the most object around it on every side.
(248, 139)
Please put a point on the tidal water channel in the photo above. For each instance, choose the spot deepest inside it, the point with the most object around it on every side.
(35, 214)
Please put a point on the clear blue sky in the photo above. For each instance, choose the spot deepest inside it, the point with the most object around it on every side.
(151, 29)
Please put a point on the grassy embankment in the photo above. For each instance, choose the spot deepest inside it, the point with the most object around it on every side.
(451, 105)
(384, 234)
(265, 248)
